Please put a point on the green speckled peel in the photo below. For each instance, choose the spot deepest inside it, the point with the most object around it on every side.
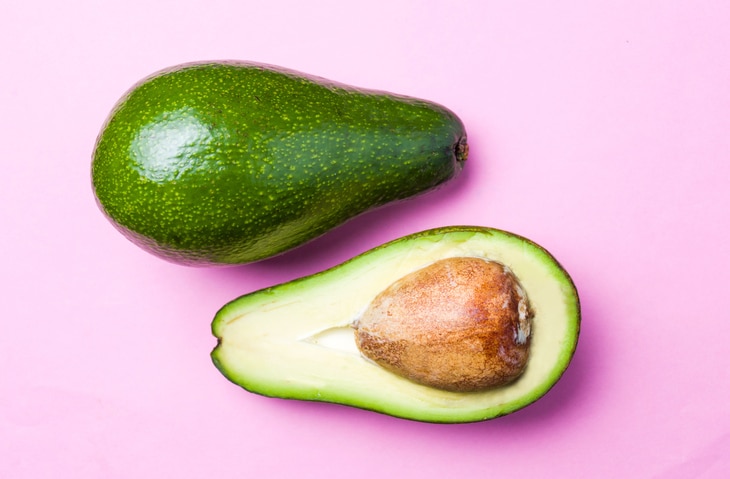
(232, 162)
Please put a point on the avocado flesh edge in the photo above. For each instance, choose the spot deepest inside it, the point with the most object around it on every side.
(269, 341)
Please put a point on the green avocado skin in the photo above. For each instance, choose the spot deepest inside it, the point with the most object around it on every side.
(233, 162)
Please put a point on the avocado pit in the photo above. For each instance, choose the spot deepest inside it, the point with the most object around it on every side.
(459, 324)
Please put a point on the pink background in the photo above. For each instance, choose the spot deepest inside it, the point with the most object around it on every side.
(599, 129)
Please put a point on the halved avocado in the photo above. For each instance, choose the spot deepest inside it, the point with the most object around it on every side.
(296, 340)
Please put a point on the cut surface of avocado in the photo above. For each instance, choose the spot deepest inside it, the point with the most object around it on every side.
(296, 340)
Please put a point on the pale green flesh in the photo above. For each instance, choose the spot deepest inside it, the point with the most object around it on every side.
(296, 341)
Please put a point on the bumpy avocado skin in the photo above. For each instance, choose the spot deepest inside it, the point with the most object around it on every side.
(231, 162)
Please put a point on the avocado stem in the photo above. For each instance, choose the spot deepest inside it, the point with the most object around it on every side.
(462, 150)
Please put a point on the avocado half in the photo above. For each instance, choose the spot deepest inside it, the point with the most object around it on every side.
(296, 340)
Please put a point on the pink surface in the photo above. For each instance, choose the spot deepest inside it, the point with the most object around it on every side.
(601, 130)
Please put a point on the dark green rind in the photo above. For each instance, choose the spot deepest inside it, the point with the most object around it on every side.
(280, 390)
(233, 162)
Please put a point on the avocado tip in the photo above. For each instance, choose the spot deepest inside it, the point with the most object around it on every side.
(462, 150)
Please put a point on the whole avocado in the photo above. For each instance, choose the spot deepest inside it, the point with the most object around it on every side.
(234, 162)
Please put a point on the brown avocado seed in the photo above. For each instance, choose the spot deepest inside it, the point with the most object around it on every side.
(460, 324)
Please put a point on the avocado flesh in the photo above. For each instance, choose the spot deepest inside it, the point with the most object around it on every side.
(295, 340)
(234, 162)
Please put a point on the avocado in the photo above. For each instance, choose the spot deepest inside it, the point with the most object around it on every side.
(233, 162)
(299, 339)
